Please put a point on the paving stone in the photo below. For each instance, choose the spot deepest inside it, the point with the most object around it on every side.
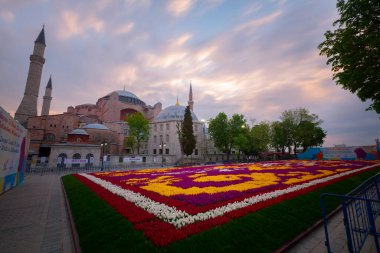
(33, 217)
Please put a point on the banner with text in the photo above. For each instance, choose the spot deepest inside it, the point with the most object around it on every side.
(13, 150)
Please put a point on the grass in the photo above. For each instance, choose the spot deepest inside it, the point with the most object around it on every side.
(101, 229)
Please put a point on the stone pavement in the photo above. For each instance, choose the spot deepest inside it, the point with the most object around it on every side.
(315, 241)
(33, 217)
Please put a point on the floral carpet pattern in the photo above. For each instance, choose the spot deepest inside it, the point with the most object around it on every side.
(172, 203)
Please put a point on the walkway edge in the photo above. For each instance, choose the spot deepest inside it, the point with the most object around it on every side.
(299, 237)
(74, 233)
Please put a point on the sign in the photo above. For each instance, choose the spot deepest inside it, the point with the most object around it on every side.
(13, 148)
(134, 159)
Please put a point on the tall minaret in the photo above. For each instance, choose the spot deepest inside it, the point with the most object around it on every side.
(28, 105)
(47, 99)
(191, 102)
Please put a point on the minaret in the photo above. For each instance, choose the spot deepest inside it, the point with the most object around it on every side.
(191, 102)
(28, 105)
(47, 99)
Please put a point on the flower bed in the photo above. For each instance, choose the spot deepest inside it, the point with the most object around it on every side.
(170, 204)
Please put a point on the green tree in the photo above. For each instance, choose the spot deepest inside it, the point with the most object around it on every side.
(188, 138)
(261, 136)
(224, 131)
(309, 134)
(279, 138)
(291, 120)
(353, 49)
(138, 129)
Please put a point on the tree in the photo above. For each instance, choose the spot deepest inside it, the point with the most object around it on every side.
(224, 131)
(353, 49)
(138, 129)
(293, 127)
(261, 136)
(279, 138)
(188, 139)
(309, 134)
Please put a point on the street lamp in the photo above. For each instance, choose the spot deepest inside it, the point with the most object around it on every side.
(162, 145)
(103, 145)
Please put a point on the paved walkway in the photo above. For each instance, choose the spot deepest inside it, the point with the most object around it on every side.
(33, 217)
(315, 241)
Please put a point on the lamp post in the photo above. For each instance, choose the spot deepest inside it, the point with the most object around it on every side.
(103, 145)
(162, 145)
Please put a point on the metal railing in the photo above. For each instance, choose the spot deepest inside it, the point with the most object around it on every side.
(360, 208)
(45, 170)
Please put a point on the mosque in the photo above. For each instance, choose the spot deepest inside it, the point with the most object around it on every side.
(86, 134)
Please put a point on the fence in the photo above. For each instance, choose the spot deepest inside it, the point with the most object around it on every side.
(44, 170)
(360, 208)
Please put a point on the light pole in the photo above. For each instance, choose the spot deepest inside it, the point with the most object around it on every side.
(103, 145)
(162, 145)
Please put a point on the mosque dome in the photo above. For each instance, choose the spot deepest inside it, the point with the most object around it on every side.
(173, 113)
(126, 96)
(79, 131)
(96, 126)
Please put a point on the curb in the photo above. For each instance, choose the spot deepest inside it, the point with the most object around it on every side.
(74, 232)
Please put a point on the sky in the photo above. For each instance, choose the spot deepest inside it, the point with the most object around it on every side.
(256, 58)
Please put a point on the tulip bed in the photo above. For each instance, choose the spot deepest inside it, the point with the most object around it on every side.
(171, 204)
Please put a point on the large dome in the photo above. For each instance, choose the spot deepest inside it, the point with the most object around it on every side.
(173, 113)
(126, 96)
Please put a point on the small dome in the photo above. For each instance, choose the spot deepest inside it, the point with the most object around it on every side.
(96, 126)
(174, 113)
(79, 131)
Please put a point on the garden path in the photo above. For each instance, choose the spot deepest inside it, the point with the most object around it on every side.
(33, 217)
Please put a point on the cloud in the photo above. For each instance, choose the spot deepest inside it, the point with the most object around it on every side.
(253, 8)
(179, 7)
(138, 3)
(74, 24)
(254, 24)
(7, 15)
(123, 29)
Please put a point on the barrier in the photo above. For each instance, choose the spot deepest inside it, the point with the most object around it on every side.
(360, 209)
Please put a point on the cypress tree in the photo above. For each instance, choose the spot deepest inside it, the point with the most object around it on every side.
(188, 138)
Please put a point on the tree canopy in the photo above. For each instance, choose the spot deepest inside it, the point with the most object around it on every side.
(353, 49)
(226, 132)
(138, 130)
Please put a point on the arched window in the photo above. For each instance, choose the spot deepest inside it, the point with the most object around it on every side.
(49, 137)
(89, 160)
(76, 163)
(61, 160)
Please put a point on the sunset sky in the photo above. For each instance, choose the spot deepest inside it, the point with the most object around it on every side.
(256, 58)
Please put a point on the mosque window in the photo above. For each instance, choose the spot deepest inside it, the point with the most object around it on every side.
(161, 140)
(167, 138)
(167, 151)
(155, 139)
(154, 151)
(167, 126)
(155, 127)
(196, 152)
(161, 127)
(51, 125)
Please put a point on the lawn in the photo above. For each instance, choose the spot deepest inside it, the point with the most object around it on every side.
(107, 223)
